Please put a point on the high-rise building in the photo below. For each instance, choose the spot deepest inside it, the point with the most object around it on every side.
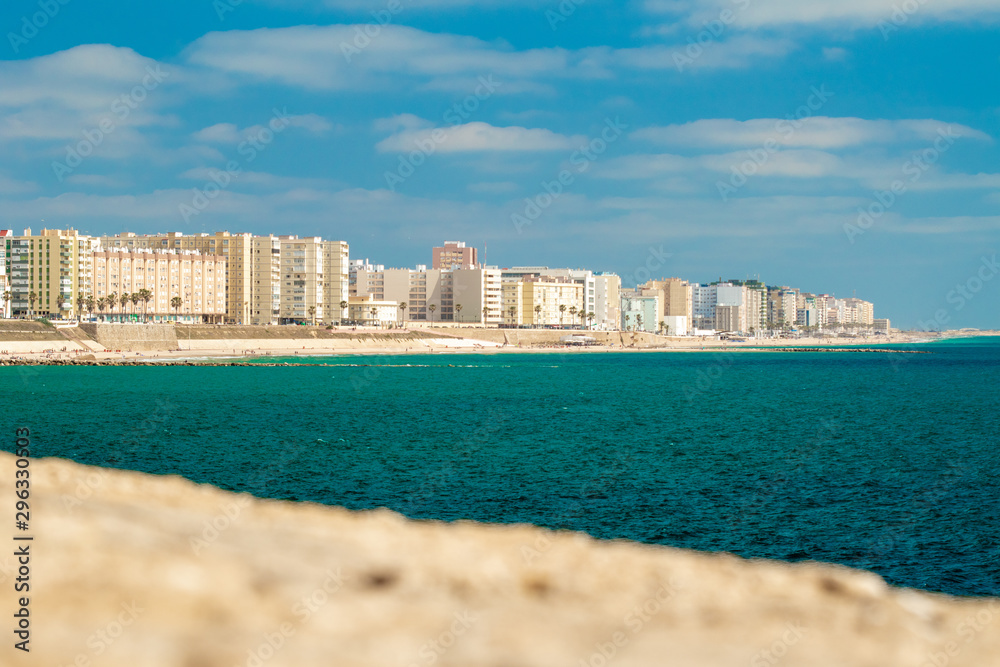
(302, 288)
(5, 293)
(336, 277)
(196, 279)
(265, 280)
(457, 295)
(607, 302)
(454, 255)
(55, 267)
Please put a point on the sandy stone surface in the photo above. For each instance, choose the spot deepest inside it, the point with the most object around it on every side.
(133, 570)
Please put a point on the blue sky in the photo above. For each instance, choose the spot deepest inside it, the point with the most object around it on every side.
(847, 148)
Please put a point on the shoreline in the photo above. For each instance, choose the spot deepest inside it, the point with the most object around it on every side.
(255, 352)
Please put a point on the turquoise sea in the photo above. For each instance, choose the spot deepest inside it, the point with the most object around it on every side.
(884, 462)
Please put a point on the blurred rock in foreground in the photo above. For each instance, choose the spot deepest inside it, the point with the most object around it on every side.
(133, 570)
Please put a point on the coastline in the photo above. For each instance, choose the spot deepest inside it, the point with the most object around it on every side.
(459, 341)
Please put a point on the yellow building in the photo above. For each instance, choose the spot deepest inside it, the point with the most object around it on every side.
(543, 301)
(50, 273)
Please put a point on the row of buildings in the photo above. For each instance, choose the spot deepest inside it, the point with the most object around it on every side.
(251, 279)
(744, 306)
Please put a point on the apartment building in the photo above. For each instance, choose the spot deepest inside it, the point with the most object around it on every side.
(5, 292)
(607, 302)
(641, 310)
(676, 298)
(454, 255)
(265, 280)
(457, 295)
(336, 278)
(302, 288)
(544, 301)
(236, 248)
(184, 285)
(54, 267)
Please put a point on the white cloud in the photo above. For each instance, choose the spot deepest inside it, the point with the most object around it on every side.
(738, 52)
(97, 180)
(815, 132)
(329, 57)
(229, 133)
(494, 187)
(754, 14)
(478, 137)
(10, 186)
(835, 54)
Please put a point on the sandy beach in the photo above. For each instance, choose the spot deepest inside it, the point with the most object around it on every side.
(361, 342)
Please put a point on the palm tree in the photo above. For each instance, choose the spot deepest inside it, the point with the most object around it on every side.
(6, 300)
(374, 312)
(513, 314)
(486, 312)
(101, 303)
(90, 305)
(176, 304)
(81, 303)
(343, 307)
(638, 322)
(32, 298)
(458, 310)
(538, 311)
(572, 313)
(136, 298)
(432, 308)
(591, 316)
(312, 314)
(562, 311)
(146, 296)
(112, 299)
(402, 307)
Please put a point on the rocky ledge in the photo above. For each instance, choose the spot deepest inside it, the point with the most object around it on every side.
(129, 569)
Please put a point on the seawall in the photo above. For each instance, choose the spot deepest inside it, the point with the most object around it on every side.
(132, 337)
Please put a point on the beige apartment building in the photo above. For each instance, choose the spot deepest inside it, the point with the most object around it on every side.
(236, 248)
(543, 301)
(197, 279)
(675, 296)
(258, 290)
(265, 280)
(55, 266)
(457, 295)
(336, 278)
(302, 286)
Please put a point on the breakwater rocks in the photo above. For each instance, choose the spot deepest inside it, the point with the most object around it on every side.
(132, 569)
(839, 349)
